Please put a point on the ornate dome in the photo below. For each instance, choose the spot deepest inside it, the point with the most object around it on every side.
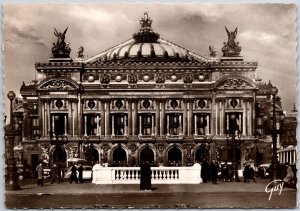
(146, 44)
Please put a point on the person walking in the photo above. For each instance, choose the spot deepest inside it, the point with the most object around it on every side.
(39, 170)
(73, 176)
(252, 174)
(80, 173)
(214, 171)
(246, 173)
(55, 173)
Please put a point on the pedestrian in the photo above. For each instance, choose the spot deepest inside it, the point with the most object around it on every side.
(252, 174)
(204, 171)
(225, 173)
(39, 170)
(80, 172)
(54, 174)
(246, 173)
(289, 175)
(214, 171)
(145, 176)
(73, 176)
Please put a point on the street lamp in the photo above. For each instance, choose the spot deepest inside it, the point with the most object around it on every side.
(232, 141)
(274, 92)
(10, 133)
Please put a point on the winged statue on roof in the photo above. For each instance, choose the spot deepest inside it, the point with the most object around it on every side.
(231, 48)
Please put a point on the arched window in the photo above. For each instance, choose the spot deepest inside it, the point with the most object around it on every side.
(174, 157)
(59, 155)
(119, 157)
(201, 154)
(91, 155)
(147, 155)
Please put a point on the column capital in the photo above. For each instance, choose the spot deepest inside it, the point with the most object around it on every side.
(160, 100)
(220, 99)
(133, 100)
(248, 99)
(105, 100)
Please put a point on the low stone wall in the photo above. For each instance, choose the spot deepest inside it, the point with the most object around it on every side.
(160, 175)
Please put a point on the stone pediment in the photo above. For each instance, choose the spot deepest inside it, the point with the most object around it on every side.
(235, 82)
(58, 84)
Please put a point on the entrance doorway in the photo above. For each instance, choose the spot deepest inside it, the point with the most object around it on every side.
(91, 155)
(201, 154)
(59, 155)
(174, 157)
(119, 157)
(147, 155)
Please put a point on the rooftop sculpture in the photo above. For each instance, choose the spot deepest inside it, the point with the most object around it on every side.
(61, 49)
(231, 48)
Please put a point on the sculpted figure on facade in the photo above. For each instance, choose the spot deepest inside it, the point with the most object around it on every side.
(212, 51)
(60, 49)
(231, 48)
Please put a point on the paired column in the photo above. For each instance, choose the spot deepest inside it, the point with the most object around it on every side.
(162, 118)
(185, 117)
(157, 118)
(107, 118)
(190, 117)
(129, 117)
(135, 118)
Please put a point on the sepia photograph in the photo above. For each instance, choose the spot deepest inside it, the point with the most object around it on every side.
(149, 105)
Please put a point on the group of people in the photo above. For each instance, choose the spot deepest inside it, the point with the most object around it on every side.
(210, 171)
(249, 173)
(56, 174)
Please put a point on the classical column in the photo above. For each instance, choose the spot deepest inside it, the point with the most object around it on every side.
(107, 118)
(85, 126)
(207, 125)
(195, 125)
(185, 117)
(70, 121)
(152, 124)
(180, 125)
(135, 118)
(66, 125)
(48, 117)
(217, 117)
(244, 117)
(73, 117)
(222, 114)
(190, 118)
(97, 123)
(126, 125)
(113, 125)
(157, 118)
(43, 118)
(129, 117)
(102, 118)
(140, 125)
(53, 132)
(162, 119)
(168, 125)
(249, 118)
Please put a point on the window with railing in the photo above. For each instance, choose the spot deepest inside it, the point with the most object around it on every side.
(234, 122)
(59, 124)
(174, 124)
(201, 124)
(35, 132)
(119, 124)
(91, 124)
(146, 124)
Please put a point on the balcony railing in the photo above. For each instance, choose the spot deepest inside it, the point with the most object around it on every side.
(160, 175)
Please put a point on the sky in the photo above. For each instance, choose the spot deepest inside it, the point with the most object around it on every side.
(266, 33)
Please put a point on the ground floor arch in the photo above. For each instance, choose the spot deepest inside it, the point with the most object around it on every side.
(119, 157)
(91, 155)
(59, 155)
(147, 155)
(174, 156)
(201, 154)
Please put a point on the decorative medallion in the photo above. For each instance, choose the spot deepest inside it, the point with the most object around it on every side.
(174, 78)
(91, 104)
(132, 78)
(201, 104)
(118, 78)
(104, 79)
(146, 104)
(233, 103)
(119, 104)
(59, 103)
(174, 104)
(160, 78)
(188, 78)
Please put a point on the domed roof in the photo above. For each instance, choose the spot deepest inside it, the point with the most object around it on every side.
(146, 44)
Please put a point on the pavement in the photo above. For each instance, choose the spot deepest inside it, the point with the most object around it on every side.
(30, 187)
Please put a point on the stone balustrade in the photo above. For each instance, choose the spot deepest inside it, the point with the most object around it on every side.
(160, 175)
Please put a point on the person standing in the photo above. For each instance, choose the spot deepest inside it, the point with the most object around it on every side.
(73, 176)
(39, 170)
(54, 173)
(80, 173)
(252, 174)
(204, 171)
(289, 175)
(214, 171)
(246, 173)
(145, 176)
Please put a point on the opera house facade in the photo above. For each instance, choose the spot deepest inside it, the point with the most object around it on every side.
(146, 99)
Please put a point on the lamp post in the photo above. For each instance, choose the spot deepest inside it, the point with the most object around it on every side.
(274, 92)
(232, 141)
(10, 133)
